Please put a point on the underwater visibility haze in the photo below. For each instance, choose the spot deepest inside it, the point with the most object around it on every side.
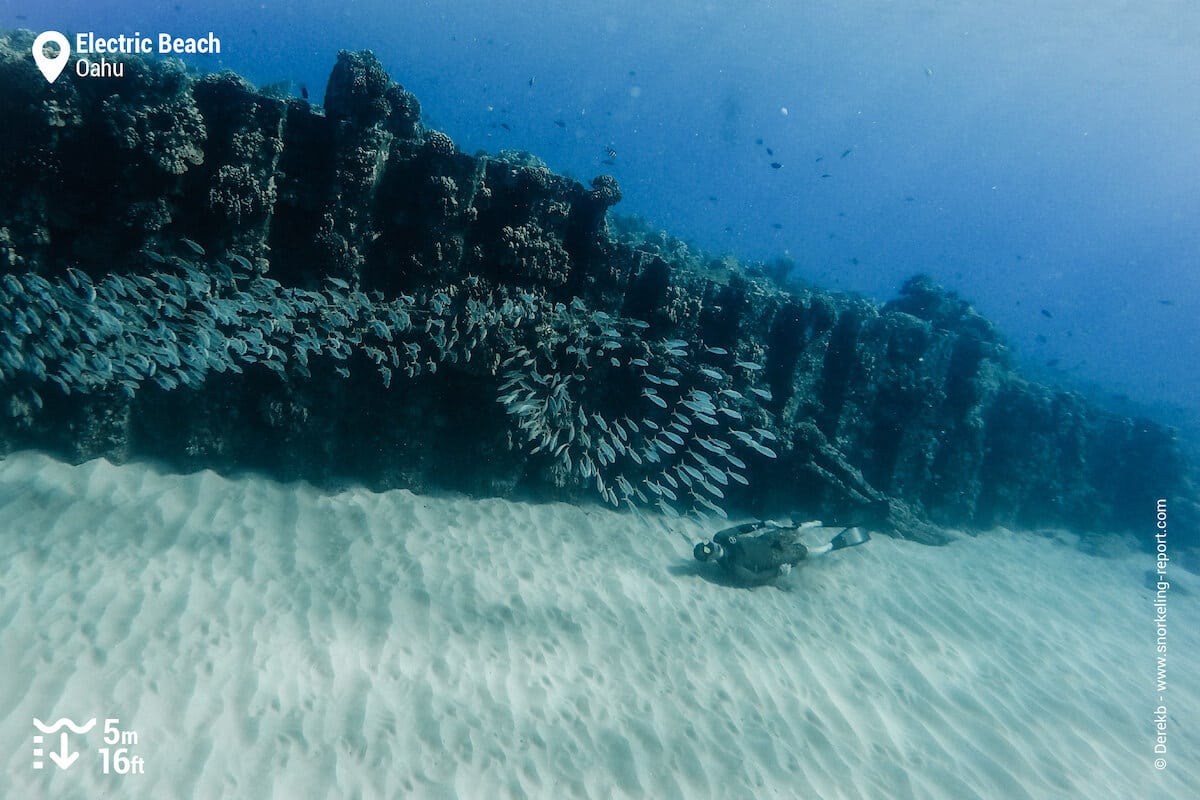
(533, 399)
(1039, 157)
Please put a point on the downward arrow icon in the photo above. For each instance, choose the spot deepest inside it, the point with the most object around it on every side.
(64, 758)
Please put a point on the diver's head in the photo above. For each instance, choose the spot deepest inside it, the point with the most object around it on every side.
(707, 551)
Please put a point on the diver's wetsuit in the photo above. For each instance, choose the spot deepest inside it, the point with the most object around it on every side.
(757, 551)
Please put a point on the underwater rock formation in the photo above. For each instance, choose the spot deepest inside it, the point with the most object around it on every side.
(240, 281)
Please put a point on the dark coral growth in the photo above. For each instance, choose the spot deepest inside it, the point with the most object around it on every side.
(439, 144)
(159, 123)
(330, 293)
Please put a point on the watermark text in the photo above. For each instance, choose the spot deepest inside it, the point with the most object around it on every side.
(1161, 587)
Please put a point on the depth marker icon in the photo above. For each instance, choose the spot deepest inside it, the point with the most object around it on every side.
(63, 758)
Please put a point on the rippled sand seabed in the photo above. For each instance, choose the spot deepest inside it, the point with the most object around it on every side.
(266, 640)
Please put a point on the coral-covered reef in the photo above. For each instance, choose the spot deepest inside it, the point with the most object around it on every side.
(199, 272)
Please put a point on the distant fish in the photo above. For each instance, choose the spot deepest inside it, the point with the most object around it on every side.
(1040, 339)
(506, 126)
(78, 278)
(770, 152)
(777, 226)
(193, 246)
(928, 72)
(607, 161)
(1047, 314)
(826, 175)
(758, 141)
(560, 123)
(653, 397)
(531, 81)
(304, 91)
(775, 165)
(847, 152)
(1167, 302)
(819, 159)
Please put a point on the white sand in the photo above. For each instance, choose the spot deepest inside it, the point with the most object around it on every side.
(266, 641)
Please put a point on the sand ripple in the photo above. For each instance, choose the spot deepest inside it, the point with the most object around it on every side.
(267, 640)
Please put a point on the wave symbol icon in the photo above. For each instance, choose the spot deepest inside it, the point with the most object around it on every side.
(61, 722)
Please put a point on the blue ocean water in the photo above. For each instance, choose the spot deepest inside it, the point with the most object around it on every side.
(1038, 158)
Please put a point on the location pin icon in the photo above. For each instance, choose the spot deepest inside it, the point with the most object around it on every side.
(53, 66)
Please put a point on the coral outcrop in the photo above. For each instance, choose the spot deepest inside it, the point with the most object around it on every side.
(336, 293)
